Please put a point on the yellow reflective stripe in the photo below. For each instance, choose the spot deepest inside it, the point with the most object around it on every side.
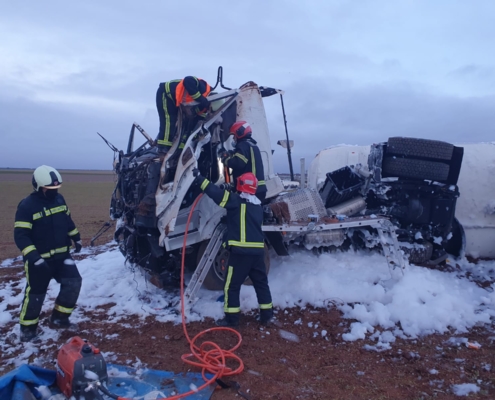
(167, 87)
(58, 209)
(63, 309)
(73, 232)
(261, 183)
(54, 251)
(26, 301)
(241, 157)
(25, 322)
(243, 223)
(37, 216)
(27, 250)
(253, 162)
(181, 146)
(257, 245)
(22, 224)
(196, 95)
(166, 134)
(266, 306)
(228, 279)
(204, 184)
(225, 199)
(68, 212)
(47, 212)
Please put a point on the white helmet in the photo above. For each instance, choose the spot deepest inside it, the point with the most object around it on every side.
(46, 177)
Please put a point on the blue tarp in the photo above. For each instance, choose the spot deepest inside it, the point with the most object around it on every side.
(123, 381)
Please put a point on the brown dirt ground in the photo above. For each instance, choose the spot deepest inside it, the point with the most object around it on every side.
(311, 368)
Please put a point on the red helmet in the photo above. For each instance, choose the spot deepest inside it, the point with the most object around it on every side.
(247, 183)
(240, 129)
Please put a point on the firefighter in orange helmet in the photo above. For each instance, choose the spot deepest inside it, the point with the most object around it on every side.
(245, 241)
(169, 97)
(246, 156)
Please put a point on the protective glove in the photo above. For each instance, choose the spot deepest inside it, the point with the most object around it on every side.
(203, 102)
(198, 178)
(225, 155)
(78, 245)
(226, 186)
(40, 263)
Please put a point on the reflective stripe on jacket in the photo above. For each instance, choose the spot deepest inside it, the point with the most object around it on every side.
(43, 227)
(244, 220)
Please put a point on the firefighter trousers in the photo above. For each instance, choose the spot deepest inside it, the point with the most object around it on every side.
(38, 277)
(240, 267)
(167, 112)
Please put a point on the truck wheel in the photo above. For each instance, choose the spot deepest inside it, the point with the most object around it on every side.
(415, 169)
(420, 253)
(423, 148)
(456, 245)
(215, 277)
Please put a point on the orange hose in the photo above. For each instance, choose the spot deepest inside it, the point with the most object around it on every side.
(209, 356)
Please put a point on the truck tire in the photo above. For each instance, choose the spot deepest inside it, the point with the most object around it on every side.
(415, 169)
(419, 254)
(215, 277)
(421, 148)
(456, 245)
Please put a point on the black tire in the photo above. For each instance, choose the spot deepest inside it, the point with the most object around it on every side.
(415, 169)
(215, 277)
(456, 245)
(421, 148)
(419, 254)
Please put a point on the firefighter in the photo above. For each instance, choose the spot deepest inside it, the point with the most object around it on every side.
(246, 244)
(169, 96)
(245, 157)
(43, 231)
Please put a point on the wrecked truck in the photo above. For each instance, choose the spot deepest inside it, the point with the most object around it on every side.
(155, 200)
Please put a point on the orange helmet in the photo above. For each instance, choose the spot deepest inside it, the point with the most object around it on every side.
(240, 129)
(247, 183)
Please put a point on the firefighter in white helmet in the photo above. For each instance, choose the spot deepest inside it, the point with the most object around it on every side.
(44, 232)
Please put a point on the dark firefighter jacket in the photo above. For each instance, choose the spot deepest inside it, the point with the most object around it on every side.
(247, 158)
(244, 220)
(187, 90)
(43, 227)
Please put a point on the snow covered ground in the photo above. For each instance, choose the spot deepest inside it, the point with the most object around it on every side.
(419, 302)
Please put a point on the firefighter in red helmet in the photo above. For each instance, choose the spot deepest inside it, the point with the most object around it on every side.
(246, 156)
(169, 97)
(245, 241)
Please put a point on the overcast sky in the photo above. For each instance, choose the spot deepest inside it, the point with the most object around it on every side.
(353, 72)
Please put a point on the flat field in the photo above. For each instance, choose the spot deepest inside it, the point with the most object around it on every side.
(87, 194)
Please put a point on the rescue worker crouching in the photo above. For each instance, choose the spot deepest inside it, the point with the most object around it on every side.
(169, 97)
(43, 231)
(245, 157)
(246, 243)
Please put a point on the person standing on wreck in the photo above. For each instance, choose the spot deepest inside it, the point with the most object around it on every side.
(169, 96)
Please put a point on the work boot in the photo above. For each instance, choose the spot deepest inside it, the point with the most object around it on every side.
(28, 333)
(229, 321)
(266, 317)
(59, 320)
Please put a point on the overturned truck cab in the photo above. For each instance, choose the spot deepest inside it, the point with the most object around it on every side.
(400, 200)
(154, 193)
